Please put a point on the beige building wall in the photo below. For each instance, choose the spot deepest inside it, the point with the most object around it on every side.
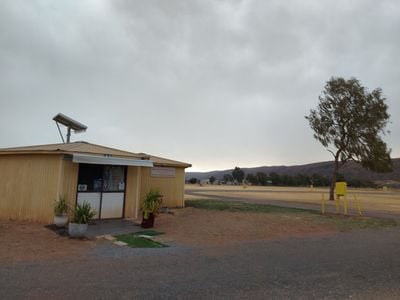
(132, 193)
(68, 180)
(172, 188)
(29, 185)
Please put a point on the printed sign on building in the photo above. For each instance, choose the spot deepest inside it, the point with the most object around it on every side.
(163, 172)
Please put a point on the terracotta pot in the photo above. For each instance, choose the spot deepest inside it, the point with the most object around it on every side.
(149, 222)
(77, 230)
(61, 220)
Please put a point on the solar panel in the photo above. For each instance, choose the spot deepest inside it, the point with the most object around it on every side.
(70, 124)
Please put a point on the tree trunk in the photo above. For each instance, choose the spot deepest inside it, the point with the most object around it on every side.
(334, 177)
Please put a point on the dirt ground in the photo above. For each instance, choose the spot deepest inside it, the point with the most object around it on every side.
(199, 227)
(32, 241)
(188, 226)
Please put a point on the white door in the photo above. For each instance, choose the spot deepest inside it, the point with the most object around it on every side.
(112, 205)
(93, 199)
(103, 187)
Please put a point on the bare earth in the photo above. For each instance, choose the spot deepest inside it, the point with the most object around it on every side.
(199, 227)
(188, 226)
(23, 241)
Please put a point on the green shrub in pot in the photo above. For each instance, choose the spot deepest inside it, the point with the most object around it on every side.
(81, 216)
(61, 211)
(150, 207)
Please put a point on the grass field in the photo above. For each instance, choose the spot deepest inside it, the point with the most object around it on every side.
(338, 221)
(372, 200)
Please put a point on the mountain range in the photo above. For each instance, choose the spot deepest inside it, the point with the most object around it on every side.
(350, 170)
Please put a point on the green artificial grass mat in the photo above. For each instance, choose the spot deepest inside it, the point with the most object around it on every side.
(135, 240)
(149, 232)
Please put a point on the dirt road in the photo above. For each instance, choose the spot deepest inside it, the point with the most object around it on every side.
(358, 265)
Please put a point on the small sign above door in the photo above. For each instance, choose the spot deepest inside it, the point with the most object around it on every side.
(163, 172)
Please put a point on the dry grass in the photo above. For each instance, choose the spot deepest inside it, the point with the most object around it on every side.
(371, 199)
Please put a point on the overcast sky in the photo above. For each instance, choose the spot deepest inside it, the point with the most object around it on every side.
(214, 83)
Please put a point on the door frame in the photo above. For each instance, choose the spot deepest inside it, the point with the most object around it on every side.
(102, 191)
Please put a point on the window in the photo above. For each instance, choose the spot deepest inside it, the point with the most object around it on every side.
(98, 178)
(113, 178)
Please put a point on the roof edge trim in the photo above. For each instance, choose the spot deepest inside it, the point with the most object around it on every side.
(100, 160)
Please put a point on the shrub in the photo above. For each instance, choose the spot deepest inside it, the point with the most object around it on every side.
(83, 213)
(151, 203)
(61, 206)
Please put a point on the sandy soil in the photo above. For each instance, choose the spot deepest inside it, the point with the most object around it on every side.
(211, 228)
(194, 227)
(32, 241)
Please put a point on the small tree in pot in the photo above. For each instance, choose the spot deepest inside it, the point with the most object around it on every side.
(61, 211)
(81, 216)
(150, 207)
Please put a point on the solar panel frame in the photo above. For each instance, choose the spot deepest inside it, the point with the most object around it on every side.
(70, 123)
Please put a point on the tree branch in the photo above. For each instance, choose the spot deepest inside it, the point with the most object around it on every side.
(331, 152)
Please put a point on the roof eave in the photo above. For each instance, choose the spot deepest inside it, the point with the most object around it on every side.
(61, 152)
(182, 165)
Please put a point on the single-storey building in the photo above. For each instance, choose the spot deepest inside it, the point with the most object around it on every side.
(113, 181)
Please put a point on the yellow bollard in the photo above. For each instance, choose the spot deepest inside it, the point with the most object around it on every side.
(358, 205)
(323, 204)
(346, 212)
(337, 204)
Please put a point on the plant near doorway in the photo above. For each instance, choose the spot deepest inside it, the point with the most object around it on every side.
(81, 216)
(150, 207)
(61, 211)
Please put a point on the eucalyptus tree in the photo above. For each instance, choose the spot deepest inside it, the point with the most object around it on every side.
(350, 121)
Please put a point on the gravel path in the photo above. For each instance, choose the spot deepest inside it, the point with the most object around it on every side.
(362, 264)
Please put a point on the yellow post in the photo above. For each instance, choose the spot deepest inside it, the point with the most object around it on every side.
(323, 204)
(337, 204)
(346, 212)
(358, 205)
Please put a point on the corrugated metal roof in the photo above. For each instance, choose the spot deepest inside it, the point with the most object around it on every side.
(88, 148)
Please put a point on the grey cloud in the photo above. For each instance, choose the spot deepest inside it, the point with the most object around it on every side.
(215, 83)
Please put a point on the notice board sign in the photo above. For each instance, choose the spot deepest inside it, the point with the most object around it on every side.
(163, 172)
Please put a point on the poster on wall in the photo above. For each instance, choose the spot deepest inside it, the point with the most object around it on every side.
(163, 172)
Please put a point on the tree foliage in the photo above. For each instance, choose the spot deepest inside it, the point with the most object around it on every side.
(349, 121)
(193, 180)
(212, 179)
(228, 178)
(238, 174)
(317, 180)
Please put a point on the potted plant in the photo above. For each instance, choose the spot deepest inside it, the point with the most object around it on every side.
(61, 211)
(81, 216)
(150, 207)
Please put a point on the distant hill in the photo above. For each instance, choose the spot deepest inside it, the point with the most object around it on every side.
(350, 170)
